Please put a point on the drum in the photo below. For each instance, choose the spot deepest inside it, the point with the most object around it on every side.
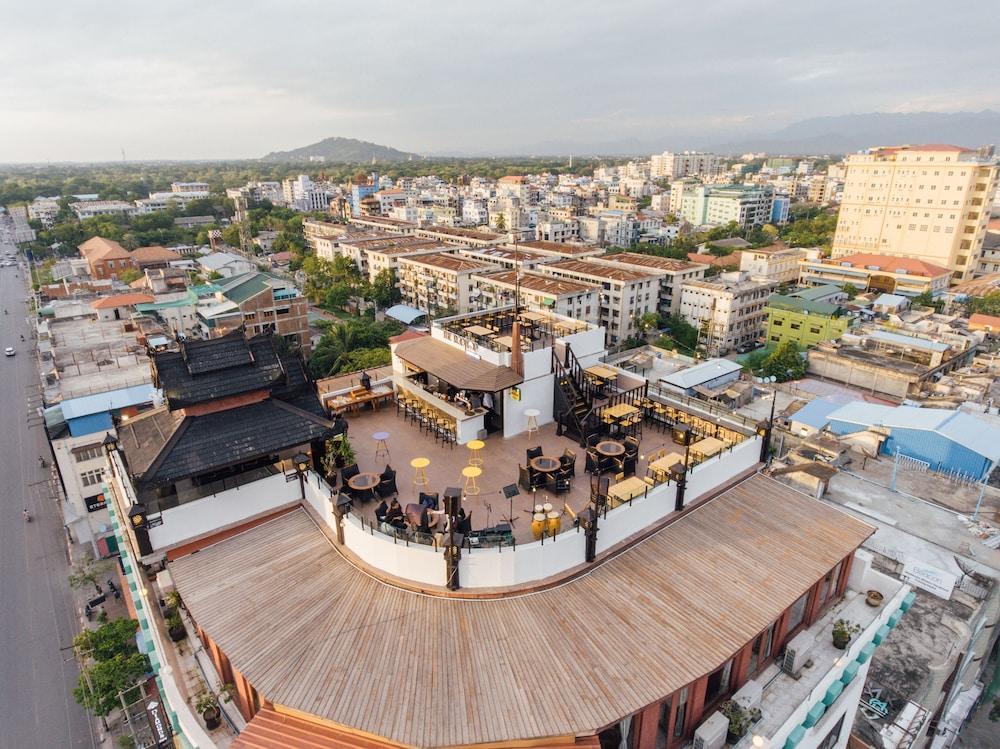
(552, 523)
(537, 524)
(539, 508)
(547, 508)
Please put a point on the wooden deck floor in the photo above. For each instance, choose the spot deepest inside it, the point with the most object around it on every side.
(501, 459)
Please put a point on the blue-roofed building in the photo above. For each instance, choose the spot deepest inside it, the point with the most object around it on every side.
(948, 440)
(77, 428)
(815, 415)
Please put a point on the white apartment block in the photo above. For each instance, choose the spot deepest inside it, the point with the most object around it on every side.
(44, 210)
(161, 201)
(927, 202)
(729, 310)
(775, 262)
(673, 274)
(672, 165)
(439, 282)
(558, 231)
(717, 205)
(91, 208)
(626, 293)
(540, 292)
(179, 187)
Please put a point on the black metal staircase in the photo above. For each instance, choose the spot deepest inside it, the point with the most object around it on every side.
(574, 398)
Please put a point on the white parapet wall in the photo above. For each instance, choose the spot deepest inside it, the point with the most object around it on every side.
(226, 509)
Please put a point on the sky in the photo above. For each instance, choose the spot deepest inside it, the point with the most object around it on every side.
(82, 80)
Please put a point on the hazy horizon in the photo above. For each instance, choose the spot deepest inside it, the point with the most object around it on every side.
(190, 81)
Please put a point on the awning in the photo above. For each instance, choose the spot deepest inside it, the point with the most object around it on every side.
(456, 367)
(404, 313)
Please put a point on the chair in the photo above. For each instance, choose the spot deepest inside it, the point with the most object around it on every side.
(631, 445)
(524, 478)
(593, 439)
(626, 466)
(465, 525)
(533, 452)
(349, 472)
(563, 481)
(593, 464)
(568, 461)
(387, 483)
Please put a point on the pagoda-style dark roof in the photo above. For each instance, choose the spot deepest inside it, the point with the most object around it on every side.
(163, 446)
(204, 371)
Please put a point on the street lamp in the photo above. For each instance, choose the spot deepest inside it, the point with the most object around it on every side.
(301, 461)
(765, 447)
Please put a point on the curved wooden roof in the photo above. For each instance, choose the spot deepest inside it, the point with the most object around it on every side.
(312, 632)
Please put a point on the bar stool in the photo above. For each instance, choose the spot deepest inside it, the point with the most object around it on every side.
(532, 414)
(419, 466)
(381, 446)
(471, 473)
(475, 456)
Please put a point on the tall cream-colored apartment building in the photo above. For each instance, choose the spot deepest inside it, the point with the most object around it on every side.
(927, 202)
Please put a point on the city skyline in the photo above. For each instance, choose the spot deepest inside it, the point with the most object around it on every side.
(238, 81)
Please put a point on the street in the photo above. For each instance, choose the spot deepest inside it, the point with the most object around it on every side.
(37, 615)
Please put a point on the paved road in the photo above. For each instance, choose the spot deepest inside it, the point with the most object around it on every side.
(36, 606)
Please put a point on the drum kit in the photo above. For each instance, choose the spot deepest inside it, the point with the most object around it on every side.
(545, 520)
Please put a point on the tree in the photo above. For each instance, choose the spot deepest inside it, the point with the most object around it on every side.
(785, 362)
(926, 299)
(850, 289)
(501, 223)
(383, 288)
(87, 572)
(988, 304)
(129, 275)
(100, 683)
(108, 640)
(647, 322)
(681, 335)
(338, 295)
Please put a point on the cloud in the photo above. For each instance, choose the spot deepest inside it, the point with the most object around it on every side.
(232, 78)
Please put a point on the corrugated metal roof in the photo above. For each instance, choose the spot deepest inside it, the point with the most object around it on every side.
(699, 374)
(816, 413)
(74, 408)
(907, 340)
(974, 434)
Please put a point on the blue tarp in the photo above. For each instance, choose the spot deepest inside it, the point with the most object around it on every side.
(89, 424)
(404, 313)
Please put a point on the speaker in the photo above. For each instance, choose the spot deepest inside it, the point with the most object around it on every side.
(452, 500)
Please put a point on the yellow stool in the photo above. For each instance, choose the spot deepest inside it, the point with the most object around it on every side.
(474, 455)
(471, 473)
(420, 471)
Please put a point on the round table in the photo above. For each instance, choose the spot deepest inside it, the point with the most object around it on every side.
(364, 482)
(610, 449)
(474, 456)
(381, 445)
(419, 466)
(545, 464)
(471, 473)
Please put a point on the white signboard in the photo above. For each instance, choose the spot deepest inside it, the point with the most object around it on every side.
(929, 578)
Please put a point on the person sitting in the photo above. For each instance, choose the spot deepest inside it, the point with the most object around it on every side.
(381, 511)
(394, 516)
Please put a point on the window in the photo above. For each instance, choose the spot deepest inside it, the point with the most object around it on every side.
(663, 725)
(90, 478)
(718, 682)
(88, 453)
(797, 613)
(830, 740)
(795, 326)
(680, 714)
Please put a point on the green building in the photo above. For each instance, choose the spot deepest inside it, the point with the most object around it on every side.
(804, 321)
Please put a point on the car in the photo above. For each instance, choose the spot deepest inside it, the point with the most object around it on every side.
(9, 351)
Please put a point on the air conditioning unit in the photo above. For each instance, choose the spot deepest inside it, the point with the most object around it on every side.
(711, 734)
(749, 695)
(797, 653)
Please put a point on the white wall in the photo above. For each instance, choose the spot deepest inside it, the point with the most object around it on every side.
(537, 394)
(417, 562)
(524, 563)
(722, 468)
(223, 510)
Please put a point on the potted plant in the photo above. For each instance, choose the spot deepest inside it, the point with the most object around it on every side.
(171, 603)
(874, 598)
(843, 631)
(343, 451)
(209, 709)
(175, 627)
(740, 719)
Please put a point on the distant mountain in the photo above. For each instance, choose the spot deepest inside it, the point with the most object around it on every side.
(341, 150)
(853, 132)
